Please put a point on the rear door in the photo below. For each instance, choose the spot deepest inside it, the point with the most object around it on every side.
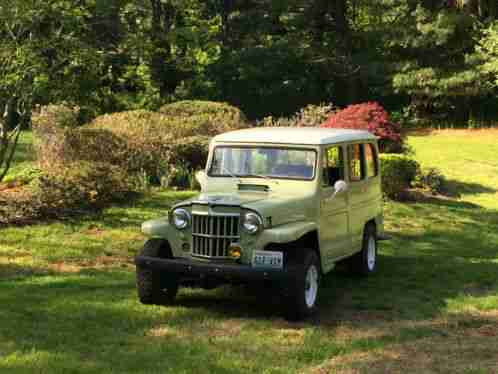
(364, 188)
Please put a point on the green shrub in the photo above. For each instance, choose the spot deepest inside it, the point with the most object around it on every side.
(189, 108)
(182, 178)
(430, 179)
(50, 125)
(398, 172)
(207, 118)
(154, 143)
(27, 175)
(159, 143)
(79, 186)
(146, 145)
(311, 115)
(60, 116)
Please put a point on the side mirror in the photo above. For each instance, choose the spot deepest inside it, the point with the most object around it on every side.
(340, 186)
(201, 177)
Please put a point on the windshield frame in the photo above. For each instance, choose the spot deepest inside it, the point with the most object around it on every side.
(255, 146)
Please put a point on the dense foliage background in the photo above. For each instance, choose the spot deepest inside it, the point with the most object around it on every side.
(429, 59)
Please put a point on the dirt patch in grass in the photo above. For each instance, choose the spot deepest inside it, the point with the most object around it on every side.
(460, 343)
(428, 355)
(162, 331)
(229, 328)
(18, 267)
(98, 263)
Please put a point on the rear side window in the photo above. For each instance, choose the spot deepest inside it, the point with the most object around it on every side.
(371, 160)
(355, 156)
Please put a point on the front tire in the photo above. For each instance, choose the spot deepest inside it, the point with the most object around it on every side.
(302, 294)
(365, 261)
(154, 287)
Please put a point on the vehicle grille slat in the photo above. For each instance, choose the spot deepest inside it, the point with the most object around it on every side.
(212, 235)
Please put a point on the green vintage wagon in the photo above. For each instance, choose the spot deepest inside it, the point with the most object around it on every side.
(278, 207)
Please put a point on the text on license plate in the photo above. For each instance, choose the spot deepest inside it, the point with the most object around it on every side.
(267, 259)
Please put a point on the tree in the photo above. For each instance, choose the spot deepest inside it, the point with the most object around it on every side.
(44, 57)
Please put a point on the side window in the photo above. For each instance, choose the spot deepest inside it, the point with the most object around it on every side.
(333, 166)
(371, 160)
(355, 156)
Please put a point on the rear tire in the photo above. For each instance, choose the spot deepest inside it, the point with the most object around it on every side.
(365, 261)
(154, 287)
(302, 293)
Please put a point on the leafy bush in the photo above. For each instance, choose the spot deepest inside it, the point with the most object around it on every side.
(141, 142)
(311, 115)
(430, 179)
(398, 172)
(60, 115)
(50, 124)
(79, 186)
(189, 108)
(371, 117)
(75, 188)
(26, 175)
(154, 143)
(182, 178)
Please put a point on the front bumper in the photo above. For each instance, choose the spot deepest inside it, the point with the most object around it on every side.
(185, 268)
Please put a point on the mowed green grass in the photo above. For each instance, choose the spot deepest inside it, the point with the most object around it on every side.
(68, 301)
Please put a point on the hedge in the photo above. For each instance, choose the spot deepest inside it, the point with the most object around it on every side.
(140, 142)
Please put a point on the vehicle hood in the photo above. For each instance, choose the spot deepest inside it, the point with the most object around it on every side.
(227, 199)
(275, 208)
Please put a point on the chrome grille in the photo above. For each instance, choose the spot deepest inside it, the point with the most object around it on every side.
(212, 235)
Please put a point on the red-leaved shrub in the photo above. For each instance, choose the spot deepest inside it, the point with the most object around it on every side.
(369, 116)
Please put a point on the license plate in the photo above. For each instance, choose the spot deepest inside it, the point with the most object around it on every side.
(267, 259)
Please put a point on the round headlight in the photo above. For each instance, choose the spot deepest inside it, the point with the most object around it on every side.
(252, 223)
(180, 218)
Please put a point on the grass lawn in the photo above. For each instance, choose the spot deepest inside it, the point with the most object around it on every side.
(24, 156)
(68, 301)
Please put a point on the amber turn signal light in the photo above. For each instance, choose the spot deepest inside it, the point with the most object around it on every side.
(235, 252)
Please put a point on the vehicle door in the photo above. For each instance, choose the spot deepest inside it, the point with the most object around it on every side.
(334, 224)
(360, 191)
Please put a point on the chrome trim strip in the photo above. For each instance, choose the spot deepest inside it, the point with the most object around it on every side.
(216, 236)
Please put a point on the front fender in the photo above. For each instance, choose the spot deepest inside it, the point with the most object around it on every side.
(287, 233)
(157, 228)
(160, 228)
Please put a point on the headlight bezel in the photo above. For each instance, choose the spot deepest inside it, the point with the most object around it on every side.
(187, 218)
(252, 223)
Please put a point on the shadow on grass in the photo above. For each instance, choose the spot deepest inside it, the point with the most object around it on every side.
(10, 271)
(92, 319)
(455, 188)
(419, 271)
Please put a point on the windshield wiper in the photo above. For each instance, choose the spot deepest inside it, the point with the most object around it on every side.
(231, 174)
(262, 176)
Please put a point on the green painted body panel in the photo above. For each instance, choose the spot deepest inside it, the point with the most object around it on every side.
(290, 209)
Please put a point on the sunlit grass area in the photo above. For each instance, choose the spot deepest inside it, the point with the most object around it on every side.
(24, 156)
(68, 301)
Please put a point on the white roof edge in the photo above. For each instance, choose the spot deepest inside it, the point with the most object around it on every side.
(293, 135)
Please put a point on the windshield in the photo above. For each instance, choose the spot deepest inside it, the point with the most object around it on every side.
(263, 162)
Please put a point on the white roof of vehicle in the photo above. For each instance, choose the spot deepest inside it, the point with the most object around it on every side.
(293, 135)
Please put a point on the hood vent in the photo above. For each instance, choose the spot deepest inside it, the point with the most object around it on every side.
(253, 187)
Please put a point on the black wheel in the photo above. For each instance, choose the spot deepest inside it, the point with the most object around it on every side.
(303, 292)
(153, 286)
(365, 261)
